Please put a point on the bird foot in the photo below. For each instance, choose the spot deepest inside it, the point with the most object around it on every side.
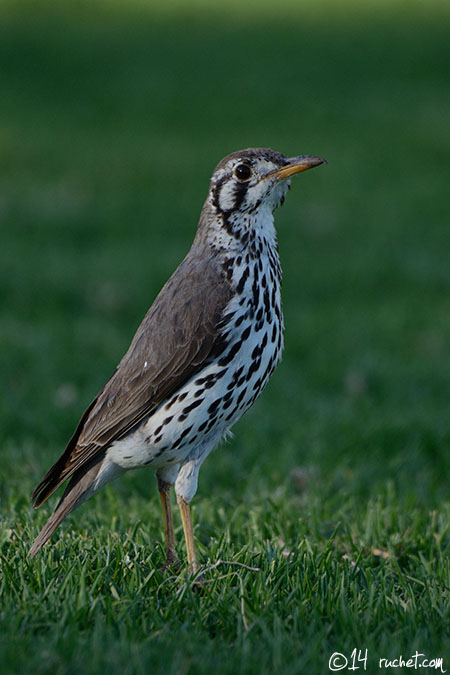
(172, 563)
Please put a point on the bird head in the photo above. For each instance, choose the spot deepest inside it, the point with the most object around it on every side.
(248, 185)
(246, 179)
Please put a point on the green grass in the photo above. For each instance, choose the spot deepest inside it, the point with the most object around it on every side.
(336, 485)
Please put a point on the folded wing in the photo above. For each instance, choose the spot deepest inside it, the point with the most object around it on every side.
(178, 336)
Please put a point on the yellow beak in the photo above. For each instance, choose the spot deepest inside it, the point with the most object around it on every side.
(296, 164)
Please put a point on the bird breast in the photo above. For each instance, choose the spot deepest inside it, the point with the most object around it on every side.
(202, 411)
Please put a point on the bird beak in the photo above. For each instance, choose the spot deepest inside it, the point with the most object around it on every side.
(295, 165)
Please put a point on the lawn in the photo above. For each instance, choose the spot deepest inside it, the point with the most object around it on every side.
(331, 504)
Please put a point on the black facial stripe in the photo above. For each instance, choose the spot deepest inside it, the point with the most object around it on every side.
(239, 193)
(240, 190)
(216, 193)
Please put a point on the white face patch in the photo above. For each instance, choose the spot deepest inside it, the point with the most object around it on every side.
(227, 198)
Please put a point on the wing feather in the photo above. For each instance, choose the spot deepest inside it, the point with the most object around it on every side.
(178, 336)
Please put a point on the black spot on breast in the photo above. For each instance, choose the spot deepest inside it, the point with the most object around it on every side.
(256, 271)
(255, 292)
(274, 333)
(213, 407)
(241, 395)
(227, 404)
(256, 352)
(225, 360)
(235, 378)
(208, 380)
(258, 383)
(242, 280)
(171, 402)
(253, 368)
(241, 380)
(181, 437)
(192, 406)
(231, 414)
(211, 424)
(246, 333)
(259, 326)
(267, 302)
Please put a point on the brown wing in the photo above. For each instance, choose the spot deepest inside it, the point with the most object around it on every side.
(178, 335)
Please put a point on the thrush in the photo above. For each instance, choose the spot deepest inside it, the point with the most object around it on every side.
(201, 356)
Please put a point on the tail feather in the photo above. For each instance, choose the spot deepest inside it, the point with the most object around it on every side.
(77, 491)
(62, 469)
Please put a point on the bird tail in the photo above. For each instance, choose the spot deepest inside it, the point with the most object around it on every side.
(77, 491)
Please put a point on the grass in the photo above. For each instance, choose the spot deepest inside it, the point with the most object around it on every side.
(336, 484)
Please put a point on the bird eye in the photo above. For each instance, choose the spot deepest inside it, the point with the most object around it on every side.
(242, 172)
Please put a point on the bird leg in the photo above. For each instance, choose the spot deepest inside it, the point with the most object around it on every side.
(185, 511)
(164, 493)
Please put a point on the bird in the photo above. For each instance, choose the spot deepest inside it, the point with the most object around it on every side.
(203, 353)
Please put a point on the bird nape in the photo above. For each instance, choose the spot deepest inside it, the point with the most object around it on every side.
(201, 356)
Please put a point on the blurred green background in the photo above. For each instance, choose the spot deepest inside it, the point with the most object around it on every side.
(112, 118)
